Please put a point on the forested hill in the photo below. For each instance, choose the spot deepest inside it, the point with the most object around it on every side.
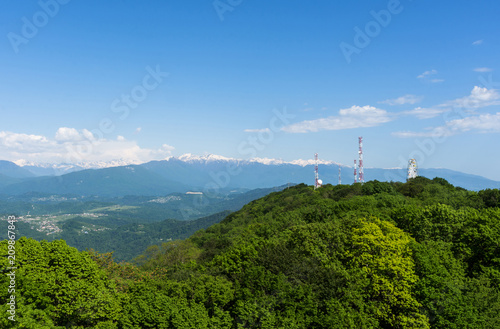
(421, 254)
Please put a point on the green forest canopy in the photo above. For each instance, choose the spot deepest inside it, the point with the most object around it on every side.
(421, 254)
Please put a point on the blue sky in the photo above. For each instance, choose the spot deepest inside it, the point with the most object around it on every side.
(101, 80)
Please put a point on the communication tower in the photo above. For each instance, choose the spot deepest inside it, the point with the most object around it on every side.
(361, 171)
(340, 178)
(317, 182)
(412, 169)
(355, 173)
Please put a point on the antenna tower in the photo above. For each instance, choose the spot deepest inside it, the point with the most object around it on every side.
(355, 173)
(317, 182)
(361, 172)
(340, 178)
(412, 169)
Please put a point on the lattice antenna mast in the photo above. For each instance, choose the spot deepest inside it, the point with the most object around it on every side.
(361, 171)
(355, 173)
(316, 176)
(412, 169)
(340, 178)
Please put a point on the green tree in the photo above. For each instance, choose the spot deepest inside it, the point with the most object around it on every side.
(383, 253)
(491, 197)
(59, 286)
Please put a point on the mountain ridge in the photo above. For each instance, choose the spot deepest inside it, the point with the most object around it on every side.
(208, 174)
(45, 168)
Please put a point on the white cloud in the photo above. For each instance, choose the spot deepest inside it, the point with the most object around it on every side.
(437, 132)
(167, 148)
(426, 74)
(479, 97)
(353, 117)
(406, 99)
(426, 113)
(482, 69)
(67, 134)
(411, 134)
(265, 130)
(138, 130)
(23, 142)
(477, 42)
(484, 123)
(70, 145)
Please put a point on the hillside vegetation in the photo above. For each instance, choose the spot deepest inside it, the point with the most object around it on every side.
(421, 254)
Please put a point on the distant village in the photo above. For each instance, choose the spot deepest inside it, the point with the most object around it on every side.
(48, 224)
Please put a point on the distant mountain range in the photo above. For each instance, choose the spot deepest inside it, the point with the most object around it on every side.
(207, 174)
(57, 169)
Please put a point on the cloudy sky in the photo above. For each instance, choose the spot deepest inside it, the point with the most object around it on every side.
(105, 80)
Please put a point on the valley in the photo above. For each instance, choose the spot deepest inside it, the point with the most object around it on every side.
(124, 225)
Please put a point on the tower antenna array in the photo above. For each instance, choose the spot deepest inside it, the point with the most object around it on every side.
(361, 171)
(412, 169)
(355, 173)
(316, 176)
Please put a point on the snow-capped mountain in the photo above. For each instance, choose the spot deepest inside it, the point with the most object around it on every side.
(191, 158)
(57, 169)
(188, 157)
